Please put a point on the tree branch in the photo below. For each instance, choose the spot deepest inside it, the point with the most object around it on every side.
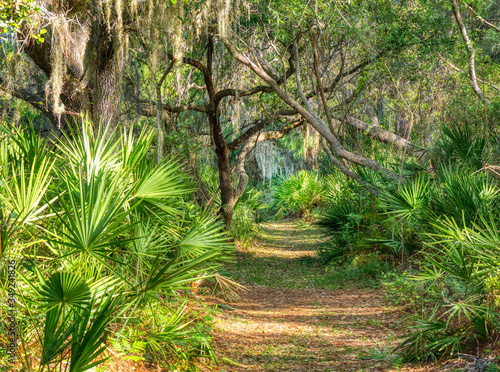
(319, 85)
(463, 72)
(277, 134)
(490, 25)
(150, 110)
(472, 52)
(346, 170)
(380, 134)
(258, 126)
(38, 102)
(311, 118)
(240, 92)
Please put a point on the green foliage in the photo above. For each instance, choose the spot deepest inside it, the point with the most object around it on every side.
(349, 218)
(14, 15)
(101, 232)
(248, 214)
(441, 226)
(465, 196)
(452, 292)
(410, 202)
(74, 321)
(460, 144)
(344, 222)
(175, 337)
(300, 193)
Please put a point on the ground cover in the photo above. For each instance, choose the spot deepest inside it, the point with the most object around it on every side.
(295, 316)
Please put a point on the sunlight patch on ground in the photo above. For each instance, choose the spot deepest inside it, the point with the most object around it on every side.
(289, 319)
(267, 251)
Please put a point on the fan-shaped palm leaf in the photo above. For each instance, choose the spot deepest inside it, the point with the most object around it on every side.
(89, 335)
(23, 193)
(94, 152)
(64, 289)
(94, 215)
(135, 151)
(205, 235)
(160, 185)
(411, 202)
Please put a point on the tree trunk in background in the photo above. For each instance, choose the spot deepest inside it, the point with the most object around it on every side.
(402, 126)
(224, 166)
(105, 70)
(89, 72)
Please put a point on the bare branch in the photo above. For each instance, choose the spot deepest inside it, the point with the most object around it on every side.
(380, 134)
(490, 25)
(463, 72)
(150, 109)
(320, 89)
(258, 126)
(472, 51)
(311, 118)
(345, 170)
(241, 92)
(37, 101)
(276, 134)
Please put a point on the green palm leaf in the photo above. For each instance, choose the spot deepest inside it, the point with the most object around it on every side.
(94, 152)
(22, 194)
(64, 289)
(411, 202)
(89, 335)
(56, 336)
(205, 235)
(159, 185)
(95, 215)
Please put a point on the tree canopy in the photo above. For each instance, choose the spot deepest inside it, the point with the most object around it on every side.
(341, 68)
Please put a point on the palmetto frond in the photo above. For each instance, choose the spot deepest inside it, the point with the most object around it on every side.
(411, 201)
(64, 289)
(94, 214)
(22, 194)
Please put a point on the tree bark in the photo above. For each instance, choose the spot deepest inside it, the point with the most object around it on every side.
(470, 48)
(308, 114)
(380, 134)
(92, 65)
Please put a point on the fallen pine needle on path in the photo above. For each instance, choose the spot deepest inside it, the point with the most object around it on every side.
(296, 316)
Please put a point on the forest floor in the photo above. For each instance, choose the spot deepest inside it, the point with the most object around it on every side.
(295, 316)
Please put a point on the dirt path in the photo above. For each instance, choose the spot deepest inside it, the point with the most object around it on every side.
(294, 317)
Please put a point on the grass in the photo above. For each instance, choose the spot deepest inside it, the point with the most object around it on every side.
(298, 315)
(285, 257)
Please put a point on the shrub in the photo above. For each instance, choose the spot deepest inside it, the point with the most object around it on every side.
(247, 216)
(99, 232)
(458, 278)
(300, 193)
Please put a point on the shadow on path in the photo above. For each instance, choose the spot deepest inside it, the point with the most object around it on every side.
(291, 319)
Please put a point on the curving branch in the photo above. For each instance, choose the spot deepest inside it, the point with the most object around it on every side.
(277, 134)
(307, 113)
(346, 170)
(207, 76)
(472, 51)
(241, 92)
(37, 101)
(257, 127)
(148, 108)
(380, 134)
(463, 72)
(159, 111)
(249, 144)
(484, 21)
